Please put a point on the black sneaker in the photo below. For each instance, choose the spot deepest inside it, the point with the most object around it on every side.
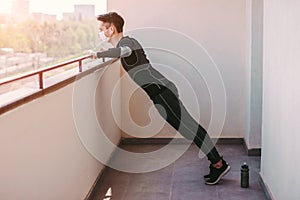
(207, 177)
(216, 174)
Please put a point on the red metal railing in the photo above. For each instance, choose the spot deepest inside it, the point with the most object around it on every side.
(42, 70)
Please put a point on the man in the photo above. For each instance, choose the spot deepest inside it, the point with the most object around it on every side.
(161, 91)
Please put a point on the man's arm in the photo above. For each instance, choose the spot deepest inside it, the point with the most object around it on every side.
(119, 52)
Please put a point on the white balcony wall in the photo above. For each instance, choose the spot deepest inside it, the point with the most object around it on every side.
(41, 153)
(253, 73)
(281, 97)
(220, 27)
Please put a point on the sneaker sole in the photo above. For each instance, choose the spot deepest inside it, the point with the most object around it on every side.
(223, 174)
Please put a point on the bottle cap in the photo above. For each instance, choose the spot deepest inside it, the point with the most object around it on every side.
(245, 166)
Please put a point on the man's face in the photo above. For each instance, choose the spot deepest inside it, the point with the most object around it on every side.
(103, 26)
(106, 27)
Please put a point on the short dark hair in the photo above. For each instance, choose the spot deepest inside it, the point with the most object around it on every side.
(114, 18)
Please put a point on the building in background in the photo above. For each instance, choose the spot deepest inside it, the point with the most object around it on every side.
(84, 12)
(20, 10)
(42, 17)
(68, 16)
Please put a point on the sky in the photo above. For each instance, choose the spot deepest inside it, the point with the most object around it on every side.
(56, 7)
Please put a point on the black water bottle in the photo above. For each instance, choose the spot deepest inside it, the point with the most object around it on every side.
(245, 176)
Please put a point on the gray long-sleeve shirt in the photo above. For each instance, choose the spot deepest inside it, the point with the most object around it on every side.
(136, 64)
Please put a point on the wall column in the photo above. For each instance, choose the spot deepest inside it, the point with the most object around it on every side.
(254, 72)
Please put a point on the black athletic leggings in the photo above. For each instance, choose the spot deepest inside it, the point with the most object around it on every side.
(173, 111)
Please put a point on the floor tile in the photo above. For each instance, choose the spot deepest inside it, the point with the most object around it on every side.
(183, 179)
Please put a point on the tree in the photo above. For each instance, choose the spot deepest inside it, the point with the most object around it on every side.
(56, 38)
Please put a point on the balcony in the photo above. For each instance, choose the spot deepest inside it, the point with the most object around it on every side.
(60, 136)
(48, 148)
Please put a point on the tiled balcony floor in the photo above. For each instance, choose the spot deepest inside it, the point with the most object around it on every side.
(183, 179)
